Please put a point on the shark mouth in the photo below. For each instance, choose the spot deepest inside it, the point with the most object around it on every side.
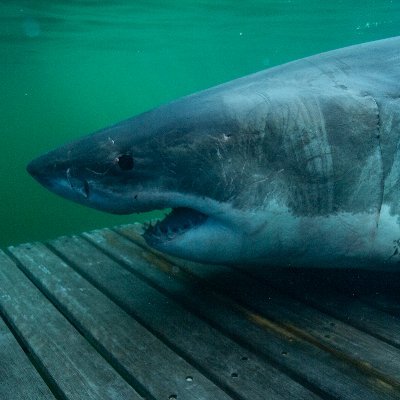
(174, 225)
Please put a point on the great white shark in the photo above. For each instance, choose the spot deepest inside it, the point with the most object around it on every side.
(297, 165)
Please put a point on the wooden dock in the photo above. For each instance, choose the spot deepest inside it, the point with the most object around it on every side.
(100, 316)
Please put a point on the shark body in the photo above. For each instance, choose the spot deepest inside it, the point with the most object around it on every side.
(297, 165)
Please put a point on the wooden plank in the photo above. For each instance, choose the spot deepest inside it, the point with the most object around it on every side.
(381, 358)
(70, 364)
(19, 379)
(328, 371)
(222, 359)
(366, 352)
(134, 351)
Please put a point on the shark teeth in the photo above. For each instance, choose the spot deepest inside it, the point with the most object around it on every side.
(179, 221)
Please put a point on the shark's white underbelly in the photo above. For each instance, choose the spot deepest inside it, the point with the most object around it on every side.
(360, 240)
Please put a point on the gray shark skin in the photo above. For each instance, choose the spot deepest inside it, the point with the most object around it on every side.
(298, 165)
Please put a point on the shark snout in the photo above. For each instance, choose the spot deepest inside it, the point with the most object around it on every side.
(59, 177)
(32, 168)
(40, 171)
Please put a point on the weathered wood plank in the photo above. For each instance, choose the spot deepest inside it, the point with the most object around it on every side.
(19, 379)
(321, 369)
(133, 350)
(223, 359)
(328, 331)
(317, 327)
(71, 365)
(366, 351)
(227, 333)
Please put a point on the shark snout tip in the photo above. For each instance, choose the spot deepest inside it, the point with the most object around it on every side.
(38, 169)
(32, 169)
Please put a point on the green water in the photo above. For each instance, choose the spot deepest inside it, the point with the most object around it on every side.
(69, 68)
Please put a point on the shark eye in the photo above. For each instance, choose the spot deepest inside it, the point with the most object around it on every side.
(125, 162)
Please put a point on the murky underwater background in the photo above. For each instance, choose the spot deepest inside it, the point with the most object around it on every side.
(68, 68)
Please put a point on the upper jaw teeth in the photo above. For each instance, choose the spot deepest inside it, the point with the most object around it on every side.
(174, 224)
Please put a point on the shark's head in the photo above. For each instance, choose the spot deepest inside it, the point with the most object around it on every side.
(192, 156)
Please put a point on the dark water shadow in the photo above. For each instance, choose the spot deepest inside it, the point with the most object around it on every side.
(344, 287)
